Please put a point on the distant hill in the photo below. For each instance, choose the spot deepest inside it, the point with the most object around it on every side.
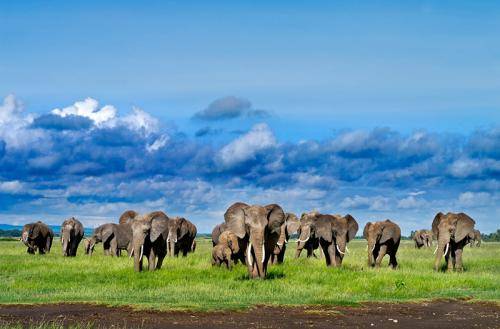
(9, 230)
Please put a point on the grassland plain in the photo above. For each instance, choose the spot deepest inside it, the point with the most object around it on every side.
(192, 283)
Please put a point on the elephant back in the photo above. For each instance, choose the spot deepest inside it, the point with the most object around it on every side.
(127, 217)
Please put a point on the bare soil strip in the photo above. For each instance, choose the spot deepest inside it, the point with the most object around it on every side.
(437, 314)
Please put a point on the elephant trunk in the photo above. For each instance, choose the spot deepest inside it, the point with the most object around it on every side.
(371, 249)
(305, 235)
(65, 241)
(441, 250)
(138, 254)
(172, 241)
(256, 256)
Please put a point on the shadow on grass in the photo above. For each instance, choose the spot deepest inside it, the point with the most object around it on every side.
(270, 276)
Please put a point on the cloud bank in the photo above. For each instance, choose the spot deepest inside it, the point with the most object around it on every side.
(92, 162)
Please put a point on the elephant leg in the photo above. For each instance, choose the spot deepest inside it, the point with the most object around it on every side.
(381, 254)
(159, 263)
(329, 251)
(393, 262)
(152, 260)
(281, 256)
(458, 260)
(310, 252)
(113, 248)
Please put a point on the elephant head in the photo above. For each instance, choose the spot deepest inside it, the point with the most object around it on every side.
(71, 233)
(378, 233)
(229, 239)
(25, 238)
(450, 228)
(146, 230)
(306, 230)
(101, 234)
(343, 230)
(260, 228)
(127, 217)
(178, 227)
(289, 227)
(88, 246)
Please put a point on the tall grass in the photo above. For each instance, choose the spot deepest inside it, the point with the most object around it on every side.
(192, 283)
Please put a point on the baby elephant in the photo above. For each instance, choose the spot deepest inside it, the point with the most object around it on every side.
(226, 248)
(383, 238)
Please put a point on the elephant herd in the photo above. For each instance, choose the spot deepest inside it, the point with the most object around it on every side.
(151, 236)
(255, 236)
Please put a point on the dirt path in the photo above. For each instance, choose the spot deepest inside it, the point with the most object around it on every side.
(440, 314)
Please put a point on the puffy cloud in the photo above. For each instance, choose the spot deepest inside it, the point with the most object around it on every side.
(376, 203)
(246, 147)
(85, 161)
(11, 187)
(474, 199)
(229, 107)
(56, 122)
(88, 108)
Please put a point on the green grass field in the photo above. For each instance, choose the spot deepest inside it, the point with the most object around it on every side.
(192, 283)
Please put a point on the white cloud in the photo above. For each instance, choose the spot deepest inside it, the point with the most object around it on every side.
(142, 121)
(474, 199)
(246, 147)
(378, 203)
(158, 144)
(416, 193)
(88, 108)
(411, 202)
(11, 187)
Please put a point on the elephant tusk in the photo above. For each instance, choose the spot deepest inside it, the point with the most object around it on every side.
(62, 240)
(168, 239)
(175, 241)
(435, 251)
(303, 241)
(286, 241)
(279, 244)
(263, 253)
(249, 254)
(131, 253)
(447, 246)
(373, 248)
(142, 252)
(338, 249)
(346, 249)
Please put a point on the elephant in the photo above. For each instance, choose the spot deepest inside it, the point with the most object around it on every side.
(383, 238)
(287, 229)
(114, 237)
(216, 232)
(311, 243)
(475, 238)
(181, 235)
(71, 235)
(149, 238)
(332, 231)
(453, 232)
(258, 229)
(223, 252)
(422, 238)
(37, 236)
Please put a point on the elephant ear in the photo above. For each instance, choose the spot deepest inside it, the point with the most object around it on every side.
(127, 216)
(106, 233)
(184, 227)
(323, 226)
(435, 223)
(292, 223)
(389, 231)
(35, 230)
(235, 219)
(465, 225)
(352, 227)
(159, 223)
(275, 218)
(365, 230)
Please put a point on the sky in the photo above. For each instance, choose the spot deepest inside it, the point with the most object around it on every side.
(377, 109)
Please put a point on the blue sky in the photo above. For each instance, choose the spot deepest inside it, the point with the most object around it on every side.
(373, 108)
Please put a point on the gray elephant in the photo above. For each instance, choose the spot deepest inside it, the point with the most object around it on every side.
(453, 232)
(475, 238)
(114, 237)
(287, 229)
(258, 229)
(226, 248)
(383, 238)
(216, 232)
(422, 238)
(71, 235)
(333, 232)
(311, 242)
(149, 239)
(37, 236)
(181, 235)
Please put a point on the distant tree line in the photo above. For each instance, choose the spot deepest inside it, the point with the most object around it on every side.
(495, 236)
(10, 233)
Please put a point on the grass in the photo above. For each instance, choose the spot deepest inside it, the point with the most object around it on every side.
(192, 283)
